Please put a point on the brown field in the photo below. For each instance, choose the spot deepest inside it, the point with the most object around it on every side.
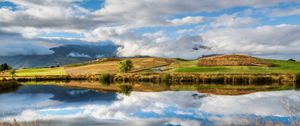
(232, 60)
(147, 63)
(111, 66)
(102, 67)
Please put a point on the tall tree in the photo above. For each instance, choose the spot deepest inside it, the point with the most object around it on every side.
(125, 65)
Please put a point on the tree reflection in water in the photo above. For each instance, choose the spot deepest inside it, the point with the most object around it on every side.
(125, 89)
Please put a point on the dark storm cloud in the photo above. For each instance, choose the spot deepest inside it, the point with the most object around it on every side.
(16, 44)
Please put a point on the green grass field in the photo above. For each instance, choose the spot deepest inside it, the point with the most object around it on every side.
(41, 71)
(280, 66)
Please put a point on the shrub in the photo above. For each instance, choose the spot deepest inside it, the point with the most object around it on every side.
(292, 60)
(5, 67)
(166, 79)
(13, 73)
(125, 65)
(105, 79)
(67, 78)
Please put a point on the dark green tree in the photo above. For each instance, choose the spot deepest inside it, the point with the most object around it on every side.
(5, 67)
(292, 60)
(125, 65)
(105, 79)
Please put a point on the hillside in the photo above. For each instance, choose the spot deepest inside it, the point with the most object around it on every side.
(111, 66)
(67, 54)
(162, 65)
(278, 66)
(232, 60)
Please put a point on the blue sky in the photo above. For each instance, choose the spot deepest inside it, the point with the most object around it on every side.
(169, 28)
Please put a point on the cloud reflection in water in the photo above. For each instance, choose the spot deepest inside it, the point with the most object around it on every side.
(79, 106)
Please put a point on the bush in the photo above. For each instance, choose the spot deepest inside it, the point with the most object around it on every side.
(67, 78)
(105, 79)
(166, 79)
(125, 66)
(292, 60)
(13, 73)
(5, 67)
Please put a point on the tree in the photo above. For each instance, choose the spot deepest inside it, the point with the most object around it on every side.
(125, 65)
(105, 78)
(13, 73)
(292, 60)
(5, 67)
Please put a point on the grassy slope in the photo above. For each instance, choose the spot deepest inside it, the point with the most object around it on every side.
(96, 68)
(280, 66)
(109, 66)
(139, 64)
(144, 65)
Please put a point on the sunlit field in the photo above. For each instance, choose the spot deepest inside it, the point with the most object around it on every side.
(41, 71)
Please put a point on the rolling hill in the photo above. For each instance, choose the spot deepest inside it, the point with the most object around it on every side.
(232, 60)
(161, 65)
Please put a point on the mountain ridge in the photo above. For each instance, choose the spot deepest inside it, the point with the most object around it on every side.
(66, 54)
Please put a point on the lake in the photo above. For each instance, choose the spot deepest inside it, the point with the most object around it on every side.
(58, 105)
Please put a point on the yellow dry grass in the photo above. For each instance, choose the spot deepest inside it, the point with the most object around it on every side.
(41, 71)
(111, 66)
(147, 63)
(102, 67)
(232, 60)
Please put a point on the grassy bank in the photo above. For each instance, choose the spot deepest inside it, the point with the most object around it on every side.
(279, 66)
(195, 78)
(206, 78)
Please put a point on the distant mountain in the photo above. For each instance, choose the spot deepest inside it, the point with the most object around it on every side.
(62, 55)
(87, 51)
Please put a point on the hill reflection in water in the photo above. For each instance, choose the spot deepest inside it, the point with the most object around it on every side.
(87, 107)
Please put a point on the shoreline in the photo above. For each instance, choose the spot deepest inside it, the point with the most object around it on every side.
(210, 83)
(217, 89)
(193, 78)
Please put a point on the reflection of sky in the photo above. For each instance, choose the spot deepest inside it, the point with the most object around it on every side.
(146, 108)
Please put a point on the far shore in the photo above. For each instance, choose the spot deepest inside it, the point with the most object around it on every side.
(196, 78)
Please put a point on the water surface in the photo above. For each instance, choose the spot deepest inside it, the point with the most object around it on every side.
(75, 106)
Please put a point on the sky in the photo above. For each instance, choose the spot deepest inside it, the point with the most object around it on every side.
(164, 28)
